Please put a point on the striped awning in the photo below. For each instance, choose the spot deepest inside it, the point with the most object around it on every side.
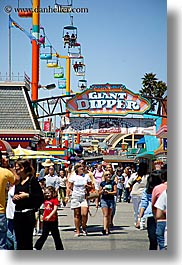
(5, 147)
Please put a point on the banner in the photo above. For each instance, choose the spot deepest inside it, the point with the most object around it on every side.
(110, 125)
(47, 126)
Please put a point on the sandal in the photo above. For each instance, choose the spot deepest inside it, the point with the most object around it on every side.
(84, 233)
(76, 235)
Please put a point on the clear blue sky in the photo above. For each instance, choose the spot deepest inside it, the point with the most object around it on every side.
(121, 40)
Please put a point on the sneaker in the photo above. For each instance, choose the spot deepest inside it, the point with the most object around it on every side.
(35, 232)
(39, 233)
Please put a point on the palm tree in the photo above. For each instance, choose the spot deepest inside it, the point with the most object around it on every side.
(153, 90)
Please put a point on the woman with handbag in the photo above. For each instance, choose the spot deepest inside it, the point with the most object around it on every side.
(78, 185)
(107, 191)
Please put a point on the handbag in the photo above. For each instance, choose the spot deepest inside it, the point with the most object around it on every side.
(93, 193)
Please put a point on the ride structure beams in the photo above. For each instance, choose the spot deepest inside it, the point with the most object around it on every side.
(35, 50)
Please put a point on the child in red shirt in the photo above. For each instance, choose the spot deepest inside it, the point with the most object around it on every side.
(50, 220)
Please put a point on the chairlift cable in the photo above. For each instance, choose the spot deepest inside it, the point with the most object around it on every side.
(50, 43)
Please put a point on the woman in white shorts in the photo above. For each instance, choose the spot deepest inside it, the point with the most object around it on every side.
(77, 185)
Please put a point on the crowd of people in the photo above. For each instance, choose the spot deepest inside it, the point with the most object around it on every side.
(31, 206)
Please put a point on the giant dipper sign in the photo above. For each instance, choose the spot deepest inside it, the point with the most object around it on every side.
(108, 99)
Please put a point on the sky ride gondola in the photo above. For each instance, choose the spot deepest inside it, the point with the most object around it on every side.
(24, 13)
(46, 55)
(62, 83)
(82, 84)
(79, 66)
(69, 36)
(59, 72)
(41, 37)
(67, 4)
(75, 51)
(52, 63)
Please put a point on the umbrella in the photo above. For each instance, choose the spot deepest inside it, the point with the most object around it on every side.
(23, 153)
(19, 151)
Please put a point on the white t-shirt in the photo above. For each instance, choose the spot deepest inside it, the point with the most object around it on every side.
(161, 202)
(79, 184)
(10, 208)
(52, 181)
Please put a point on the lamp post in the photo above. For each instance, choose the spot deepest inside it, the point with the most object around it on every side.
(49, 87)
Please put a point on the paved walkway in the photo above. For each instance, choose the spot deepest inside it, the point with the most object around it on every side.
(124, 235)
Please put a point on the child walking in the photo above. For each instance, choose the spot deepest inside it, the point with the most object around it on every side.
(62, 186)
(50, 220)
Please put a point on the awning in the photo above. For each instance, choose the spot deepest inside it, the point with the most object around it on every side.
(162, 132)
(5, 147)
(160, 150)
(152, 143)
(141, 141)
(146, 154)
(23, 153)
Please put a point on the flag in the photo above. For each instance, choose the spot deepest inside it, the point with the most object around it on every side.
(13, 23)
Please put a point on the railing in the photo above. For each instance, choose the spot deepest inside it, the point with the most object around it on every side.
(15, 78)
(117, 155)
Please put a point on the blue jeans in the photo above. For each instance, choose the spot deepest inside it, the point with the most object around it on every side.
(11, 239)
(126, 195)
(136, 203)
(160, 229)
(3, 231)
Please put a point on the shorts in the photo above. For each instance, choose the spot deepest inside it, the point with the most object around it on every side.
(77, 202)
(107, 204)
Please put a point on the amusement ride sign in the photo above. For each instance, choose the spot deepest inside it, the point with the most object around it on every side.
(108, 99)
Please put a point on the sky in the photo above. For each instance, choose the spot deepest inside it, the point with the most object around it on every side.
(120, 41)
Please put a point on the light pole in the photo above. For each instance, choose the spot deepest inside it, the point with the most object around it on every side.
(48, 87)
